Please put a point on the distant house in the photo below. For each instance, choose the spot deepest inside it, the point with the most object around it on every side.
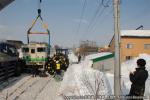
(103, 49)
(103, 61)
(133, 43)
(87, 47)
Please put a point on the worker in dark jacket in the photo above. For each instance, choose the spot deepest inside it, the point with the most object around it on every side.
(34, 71)
(138, 79)
(79, 58)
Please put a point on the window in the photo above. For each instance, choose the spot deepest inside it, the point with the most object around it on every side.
(41, 49)
(12, 51)
(128, 57)
(32, 50)
(146, 46)
(129, 46)
(26, 50)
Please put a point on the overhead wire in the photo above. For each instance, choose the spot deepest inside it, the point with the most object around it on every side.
(95, 21)
(95, 15)
(77, 37)
(99, 15)
(105, 16)
(105, 5)
(81, 17)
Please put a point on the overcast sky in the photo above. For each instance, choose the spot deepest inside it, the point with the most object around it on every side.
(63, 18)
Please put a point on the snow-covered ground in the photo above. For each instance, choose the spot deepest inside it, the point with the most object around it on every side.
(27, 87)
(80, 79)
(72, 58)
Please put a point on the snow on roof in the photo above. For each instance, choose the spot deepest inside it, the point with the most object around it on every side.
(93, 56)
(136, 33)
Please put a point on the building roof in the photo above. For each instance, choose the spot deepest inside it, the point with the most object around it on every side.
(4, 3)
(99, 56)
(16, 43)
(135, 33)
(104, 57)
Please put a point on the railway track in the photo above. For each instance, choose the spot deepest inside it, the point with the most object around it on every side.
(41, 89)
(29, 88)
(19, 86)
(7, 83)
(5, 93)
(19, 90)
(24, 90)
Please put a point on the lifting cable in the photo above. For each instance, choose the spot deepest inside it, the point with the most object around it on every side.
(44, 25)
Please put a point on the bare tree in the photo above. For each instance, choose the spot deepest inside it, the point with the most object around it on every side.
(87, 47)
(94, 87)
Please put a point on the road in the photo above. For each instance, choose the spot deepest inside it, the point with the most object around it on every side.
(27, 87)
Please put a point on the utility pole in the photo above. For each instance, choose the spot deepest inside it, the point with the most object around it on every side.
(117, 78)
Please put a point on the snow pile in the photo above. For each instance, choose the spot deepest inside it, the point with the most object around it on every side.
(126, 68)
(72, 58)
(81, 79)
(129, 66)
(125, 84)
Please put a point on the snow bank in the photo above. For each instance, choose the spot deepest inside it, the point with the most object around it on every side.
(130, 65)
(126, 68)
(72, 58)
(81, 79)
(125, 84)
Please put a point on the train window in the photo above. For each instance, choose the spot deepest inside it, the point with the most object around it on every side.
(41, 49)
(11, 50)
(32, 50)
(26, 50)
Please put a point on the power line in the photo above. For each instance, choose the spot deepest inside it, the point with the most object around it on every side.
(82, 13)
(105, 5)
(100, 14)
(95, 21)
(95, 15)
(105, 16)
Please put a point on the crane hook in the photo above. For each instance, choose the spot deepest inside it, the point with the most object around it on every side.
(39, 9)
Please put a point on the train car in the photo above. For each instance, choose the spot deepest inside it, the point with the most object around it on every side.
(35, 54)
(10, 64)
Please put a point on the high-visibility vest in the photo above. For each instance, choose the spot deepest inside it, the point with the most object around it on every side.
(58, 66)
